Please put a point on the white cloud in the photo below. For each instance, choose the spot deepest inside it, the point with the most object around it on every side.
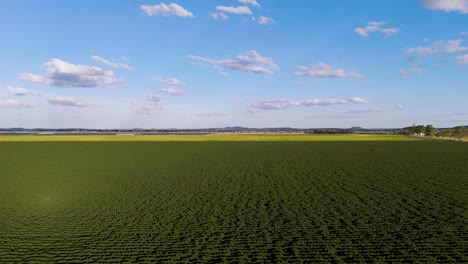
(169, 81)
(238, 10)
(251, 61)
(66, 101)
(365, 111)
(399, 107)
(251, 2)
(219, 15)
(166, 10)
(278, 104)
(447, 5)
(262, 20)
(449, 46)
(358, 100)
(18, 91)
(410, 72)
(13, 103)
(323, 70)
(323, 102)
(374, 26)
(172, 91)
(211, 114)
(152, 98)
(112, 64)
(64, 74)
(462, 59)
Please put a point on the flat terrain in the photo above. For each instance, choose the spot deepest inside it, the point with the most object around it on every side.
(363, 201)
(212, 137)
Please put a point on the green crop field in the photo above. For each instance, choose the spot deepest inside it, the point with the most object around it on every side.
(234, 202)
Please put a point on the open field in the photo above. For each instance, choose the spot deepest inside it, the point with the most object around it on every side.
(213, 137)
(267, 202)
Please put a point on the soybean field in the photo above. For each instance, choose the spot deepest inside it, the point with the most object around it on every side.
(234, 202)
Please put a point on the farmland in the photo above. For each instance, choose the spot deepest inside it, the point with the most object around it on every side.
(323, 200)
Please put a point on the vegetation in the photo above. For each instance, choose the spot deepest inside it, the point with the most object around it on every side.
(233, 202)
(215, 137)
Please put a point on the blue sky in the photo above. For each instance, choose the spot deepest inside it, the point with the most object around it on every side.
(216, 63)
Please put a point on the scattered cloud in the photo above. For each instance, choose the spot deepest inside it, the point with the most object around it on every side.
(410, 72)
(13, 103)
(251, 2)
(449, 46)
(64, 74)
(66, 101)
(152, 98)
(323, 102)
(219, 15)
(211, 114)
(447, 5)
(238, 10)
(272, 104)
(18, 91)
(169, 81)
(112, 64)
(358, 100)
(462, 59)
(278, 104)
(380, 27)
(172, 9)
(251, 61)
(323, 70)
(262, 20)
(172, 91)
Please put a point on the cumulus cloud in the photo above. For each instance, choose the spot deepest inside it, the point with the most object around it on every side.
(251, 61)
(68, 102)
(380, 27)
(112, 64)
(172, 91)
(251, 2)
(323, 70)
(262, 20)
(64, 74)
(462, 59)
(238, 10)
(410, 72)
(358, 100)
(272, 104)
(19, 91)
(278, 104)
(166, 10)
(169, 81)
(323, 102)
(219, 15)
(211, 114)
(13, 103)
(449, 46)
(152, 98)
(447, 5)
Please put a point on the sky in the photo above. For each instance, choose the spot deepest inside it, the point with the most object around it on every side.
(218, 63)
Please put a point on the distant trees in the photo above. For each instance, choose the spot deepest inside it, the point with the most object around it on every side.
(460, 132)
(430, 131)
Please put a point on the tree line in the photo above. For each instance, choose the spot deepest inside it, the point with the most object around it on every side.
(430, 131)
